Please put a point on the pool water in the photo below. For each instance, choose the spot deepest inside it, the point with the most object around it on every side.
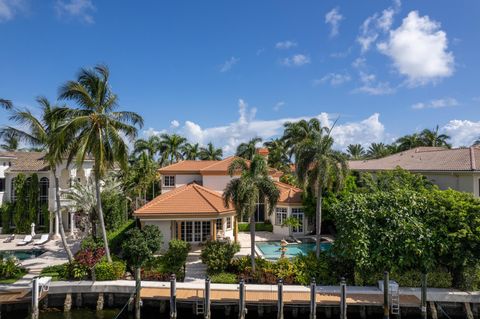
(271, 249)
(22, 254)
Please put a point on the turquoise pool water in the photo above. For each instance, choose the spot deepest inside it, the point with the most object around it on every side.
(22, 254)
(271, 249)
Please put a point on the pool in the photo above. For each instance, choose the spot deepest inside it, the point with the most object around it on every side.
(271, 249)
(22, 254)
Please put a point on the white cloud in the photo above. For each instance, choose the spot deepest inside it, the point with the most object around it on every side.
(296, 60)
(174, 124)
(333, 18)
(462, 132)
(228, 136)
(419, 50)
(369, 82)
(436, 104)
(335, 79)
(285, 45)
(278, 105)
(227, 65)
(9, 8)
(78, 9)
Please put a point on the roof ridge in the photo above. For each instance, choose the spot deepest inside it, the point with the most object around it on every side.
(160, 198)
(287, 185)
(200, 193)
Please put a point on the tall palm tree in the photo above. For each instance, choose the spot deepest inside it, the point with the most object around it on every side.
(40, 132)
(355, 151)
(97, 128)
(410, 141)
(246, 191)
(191, 151)
(320, 167)
(476, 143)
(434, 138)
(151, 146)
(171, 147)
(277, 155)
(6, 104)
(247, 150)
(297, 132)
(10, 140)
(377, 150)
(210, 153)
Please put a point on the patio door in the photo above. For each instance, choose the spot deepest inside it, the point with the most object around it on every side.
(195, 231)
(298, 214)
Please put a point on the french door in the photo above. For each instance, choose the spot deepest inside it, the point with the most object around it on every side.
(195, 231)
(298, 214)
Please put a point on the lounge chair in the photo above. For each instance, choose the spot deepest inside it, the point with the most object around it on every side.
(27, 240)
(9, 239)
(43, 239)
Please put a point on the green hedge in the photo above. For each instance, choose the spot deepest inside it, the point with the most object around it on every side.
(245, 227)
(224, 278)
(115, 238)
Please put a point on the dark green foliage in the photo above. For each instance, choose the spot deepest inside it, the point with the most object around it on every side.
(245, 227)
(6, 211)
(439, 278)
(176, 255)
(218, 255)
(10, 268)
(172, 262)
(57, 272)
(21, 216)
(114, 208)
(33, 198)
(116, 237)
(110, 271)
(224, 278)
(140, 245)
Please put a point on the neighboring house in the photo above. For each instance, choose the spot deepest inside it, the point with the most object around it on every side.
(191, 207)
(14, 163)
(457, 168)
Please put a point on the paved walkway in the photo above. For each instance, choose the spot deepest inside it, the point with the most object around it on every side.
(195, 270)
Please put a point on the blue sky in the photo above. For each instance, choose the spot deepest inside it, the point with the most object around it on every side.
(225, 71)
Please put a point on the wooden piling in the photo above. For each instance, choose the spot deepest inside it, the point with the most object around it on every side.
(280, 299)
(313, 299)
(386, 296)
(173, 297)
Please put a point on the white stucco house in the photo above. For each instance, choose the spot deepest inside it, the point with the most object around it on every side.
(14, 163)
(457, 168)
(191, 207)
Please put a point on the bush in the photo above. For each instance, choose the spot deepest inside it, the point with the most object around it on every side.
(118, 236)
(308, 267)
(114, 209)
(176, 255)
(110, 271)
(6, 211)
(10, 268)
(141, 244)
(218, 255)
(266, 226)
(224, 278)
(439, 278)
(57, 272)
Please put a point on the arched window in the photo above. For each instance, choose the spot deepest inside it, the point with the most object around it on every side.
(44, 186)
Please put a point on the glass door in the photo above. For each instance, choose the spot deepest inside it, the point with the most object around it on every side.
(297, 213)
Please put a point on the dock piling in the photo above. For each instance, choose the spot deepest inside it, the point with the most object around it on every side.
(206, 313)
(173, 297)
(242, 311)
(35, 298)
(343, 299)
(313, 299)
(138, 288)
(280, 299)
(386, 295)
(424, 296)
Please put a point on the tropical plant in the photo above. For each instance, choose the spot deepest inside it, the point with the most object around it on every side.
(141, 244)
(297, 132)
(141, 179)
(171, 147)
(191, 151)
(210, 153)
(434, 138)
(97, 128)
(355, 151)
(217, 255)
(377, 150)
(277, 155)
(6, 104)
(11, 142)
(410, 141)
(319, 167)
(247, 150)
(246, 192)
(291, 222)
(150, 146)
(41, 132)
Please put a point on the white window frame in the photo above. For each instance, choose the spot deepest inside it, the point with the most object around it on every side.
(170, 179)
(281, 213)
(229, 222)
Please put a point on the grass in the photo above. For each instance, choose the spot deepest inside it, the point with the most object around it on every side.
(245, 227)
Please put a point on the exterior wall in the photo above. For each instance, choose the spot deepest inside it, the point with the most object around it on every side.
(216, 182)
(165, 229)
(3, 166)
(459, 182)
(284, 231)
(182, 179)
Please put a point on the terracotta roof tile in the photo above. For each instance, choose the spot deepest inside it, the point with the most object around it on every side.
(26, 161)
(289, 194)
(187, 199)
(187, 166)
(425, 159)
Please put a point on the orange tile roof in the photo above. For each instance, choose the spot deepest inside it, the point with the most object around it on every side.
(187, 166)
(26, 161)
(289, 194)
(425, 159)
(187, 199)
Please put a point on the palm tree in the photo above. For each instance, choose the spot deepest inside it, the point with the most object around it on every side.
(377, 150)
(433, 138)
(355, 151)
(40, 132)
(6, 104)
(171, 147)
(277, 155)
(10, 139)
(320, 167)
(151, 146)
(210, 153)
(246, 191)
(408, 142)
(297, 132)
(476, 143)
(191, 151)
(247, 150)
(97, 129)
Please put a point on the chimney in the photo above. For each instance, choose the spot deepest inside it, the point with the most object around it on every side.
(263, 151)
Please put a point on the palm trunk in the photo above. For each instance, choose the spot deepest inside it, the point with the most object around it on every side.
(319, 220)
(252, 241)
(100, 218)
(58, 215)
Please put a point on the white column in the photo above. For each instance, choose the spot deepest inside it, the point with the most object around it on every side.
(72, 223)
(57, 227)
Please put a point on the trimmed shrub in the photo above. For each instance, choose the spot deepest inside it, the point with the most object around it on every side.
(224, 278)
(114, 209)
(218, 255)
(308, 267)
(118, 236)
(266, 226)
(176, 255)
(110, 271)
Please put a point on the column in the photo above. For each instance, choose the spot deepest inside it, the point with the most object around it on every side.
(179, 230)
(235, 228)
(213, 227)
(72, 223)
